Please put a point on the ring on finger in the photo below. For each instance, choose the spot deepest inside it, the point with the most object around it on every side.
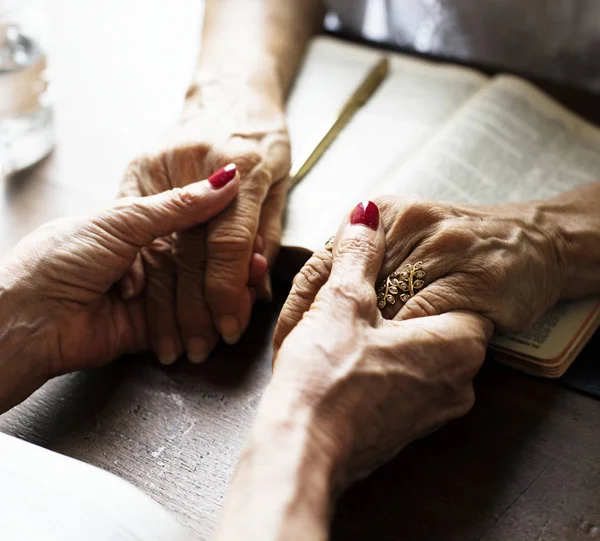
(401, 285)
(329, 244)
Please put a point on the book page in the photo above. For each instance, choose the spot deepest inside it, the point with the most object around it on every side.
(510, 142)
(412, 103)
(555, 334)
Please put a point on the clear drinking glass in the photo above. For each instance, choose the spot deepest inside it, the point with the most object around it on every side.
(26, 132)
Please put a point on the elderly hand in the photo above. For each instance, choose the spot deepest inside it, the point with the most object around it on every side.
(503, 262)
(59, 311)
(349, 390)
(202, 282)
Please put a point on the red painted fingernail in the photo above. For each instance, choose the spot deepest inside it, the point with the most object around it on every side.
(224, 175)
(365, 213)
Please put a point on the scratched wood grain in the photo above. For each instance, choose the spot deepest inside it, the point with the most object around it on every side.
(523, 466)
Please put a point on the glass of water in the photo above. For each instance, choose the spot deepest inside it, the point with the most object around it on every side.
(26, 133)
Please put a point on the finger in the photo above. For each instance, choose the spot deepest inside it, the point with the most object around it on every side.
(196, 327)
(270, 229)
(270, 226)
(137, 221)
(229, 248)
(161, 315)
(407, 223)
(259, 245)
(357, 256)
(443, 295)
(305, 287)
(258, 269)
(456, 339)
(132, 284)
(193, 315)
(439, 255)
(448, 327)
(456, 324)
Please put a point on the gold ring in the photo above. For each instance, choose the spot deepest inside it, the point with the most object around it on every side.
(403, 283)
(329, 244)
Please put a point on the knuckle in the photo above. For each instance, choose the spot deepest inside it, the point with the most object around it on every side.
(314, 273)
(355, 297)
(157, 255)
(389, 202)
(149, 173)
(245, 162)
(230, 242)
(360, 247)
(424, 304)
(420, 215)
(180, 201)
(253, 193)
(451, 237)
(281, 155)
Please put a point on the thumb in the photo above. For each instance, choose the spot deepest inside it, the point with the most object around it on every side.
(357, 256)
(137, 221)
(359, 247)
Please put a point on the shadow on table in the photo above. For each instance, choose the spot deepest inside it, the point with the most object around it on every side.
(70, 403)
(456, 483)
(63, 405)
(453, 485)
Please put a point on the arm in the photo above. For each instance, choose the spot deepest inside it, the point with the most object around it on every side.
(20, 373)
(575, 215)
(283, 484)
(349, 391)
(260, 42)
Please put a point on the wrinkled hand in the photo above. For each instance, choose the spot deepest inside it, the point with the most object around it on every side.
(364, 386)
(59, 304)
(202, 282)
(503, 262)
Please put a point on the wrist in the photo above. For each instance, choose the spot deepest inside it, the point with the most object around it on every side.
(573, 217)
(293, 470)
(232, 83)
(538, 234)
(21, 342)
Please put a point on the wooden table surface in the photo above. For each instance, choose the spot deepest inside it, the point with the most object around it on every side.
(523, 465)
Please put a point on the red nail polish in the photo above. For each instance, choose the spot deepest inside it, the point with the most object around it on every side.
(224, 175)
(365, 213)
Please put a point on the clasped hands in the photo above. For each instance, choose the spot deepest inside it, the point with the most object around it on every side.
(181, 262)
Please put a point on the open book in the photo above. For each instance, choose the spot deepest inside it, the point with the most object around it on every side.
(445, 133)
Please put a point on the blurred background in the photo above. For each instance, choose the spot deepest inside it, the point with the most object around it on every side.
(118, 71)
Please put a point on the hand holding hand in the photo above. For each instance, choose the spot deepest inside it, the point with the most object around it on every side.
(502, 262)
(372, 385)
(59, 311)
(349, 390)
(202, 282)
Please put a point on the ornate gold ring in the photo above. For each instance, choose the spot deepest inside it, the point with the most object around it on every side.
(402, 284)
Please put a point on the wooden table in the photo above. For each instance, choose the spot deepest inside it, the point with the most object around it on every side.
(523, 465)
